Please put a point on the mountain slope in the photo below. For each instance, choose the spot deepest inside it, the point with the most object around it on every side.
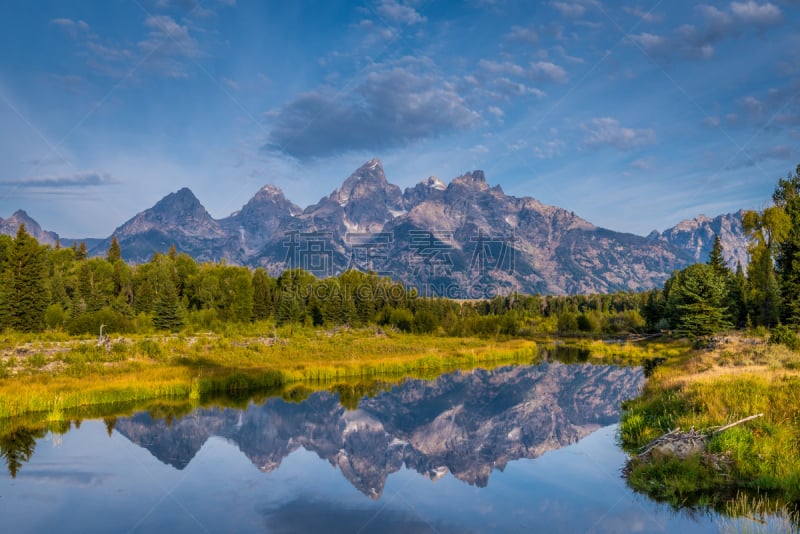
(696, 236)
(177, 219)
(462, 239)
(11, 225)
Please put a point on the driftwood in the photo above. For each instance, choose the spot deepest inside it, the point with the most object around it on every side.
(684, 444)
(717, 430)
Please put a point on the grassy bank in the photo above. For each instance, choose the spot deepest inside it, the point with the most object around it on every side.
(58, 374)
(713, 386)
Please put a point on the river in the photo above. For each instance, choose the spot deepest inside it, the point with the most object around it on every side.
(516, 449)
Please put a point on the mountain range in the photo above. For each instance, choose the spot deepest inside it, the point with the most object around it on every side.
(468, 424)
(462, 239)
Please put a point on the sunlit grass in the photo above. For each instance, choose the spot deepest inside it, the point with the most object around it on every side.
(74, 373)
(705, 389)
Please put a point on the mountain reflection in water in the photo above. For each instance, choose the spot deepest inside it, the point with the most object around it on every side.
(465, 423)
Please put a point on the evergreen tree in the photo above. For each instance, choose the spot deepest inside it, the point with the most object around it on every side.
(81, 253)
(114, 251)
(787, 257)
(25, 288)
(262, 305)
(697, 296)
(240, 295)
(167, 312)
(716, 258)
(737, 297)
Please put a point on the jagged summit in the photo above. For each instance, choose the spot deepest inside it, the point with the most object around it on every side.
(271, 190)
(369, 176)
(433, 182)
(475, 180)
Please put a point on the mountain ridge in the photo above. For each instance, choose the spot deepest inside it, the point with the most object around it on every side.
(452, 238)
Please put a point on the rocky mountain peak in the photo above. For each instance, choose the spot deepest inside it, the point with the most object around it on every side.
(367, 197)
(181, 202)
(696, 236)
(271, 191)
(366, 179)
(475, 180)
(180, 212)
(430, 188)
(272, 196)
(11, 225)
(432, 182)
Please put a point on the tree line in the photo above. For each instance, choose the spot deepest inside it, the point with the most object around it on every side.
(58, 287)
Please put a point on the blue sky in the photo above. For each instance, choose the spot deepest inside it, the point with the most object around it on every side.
(633, 114)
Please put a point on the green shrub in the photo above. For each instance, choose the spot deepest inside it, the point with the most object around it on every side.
(784, 335)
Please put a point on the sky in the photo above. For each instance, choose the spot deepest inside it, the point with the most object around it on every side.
(634, 114)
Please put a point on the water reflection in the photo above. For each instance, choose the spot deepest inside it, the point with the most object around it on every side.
(468, 424)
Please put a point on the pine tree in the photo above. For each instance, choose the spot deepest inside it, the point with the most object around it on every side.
(716, 259)
(697, 297)
(262, 305)
(787, 257)
(81, 253)
(167, 312)
(25, 288)
(114, 251)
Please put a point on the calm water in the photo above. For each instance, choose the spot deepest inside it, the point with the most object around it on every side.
(517, 449)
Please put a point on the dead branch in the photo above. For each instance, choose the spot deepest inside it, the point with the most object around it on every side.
(731, 425)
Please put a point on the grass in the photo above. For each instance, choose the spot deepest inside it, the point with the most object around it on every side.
(710, 387)
(50, 375)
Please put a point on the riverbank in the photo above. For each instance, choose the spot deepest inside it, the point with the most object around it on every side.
(732, 378)
(54, 374)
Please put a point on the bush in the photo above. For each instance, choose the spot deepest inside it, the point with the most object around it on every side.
(567, 323)
(89, 323)
(425, 322)
(402, 319)
(55, 316)
(784, 335)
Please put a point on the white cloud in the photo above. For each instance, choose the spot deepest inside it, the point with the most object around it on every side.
(506, 67)
(509, 88)
(646, 16)
(399, 13)
(755, 13)
(545, 70)
(549, 149)
(697, 41)
(569, 9)
(608, 131)
(496, 111)
(71, 24)
(520, 33)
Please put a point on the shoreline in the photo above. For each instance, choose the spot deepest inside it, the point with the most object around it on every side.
(58, 380)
